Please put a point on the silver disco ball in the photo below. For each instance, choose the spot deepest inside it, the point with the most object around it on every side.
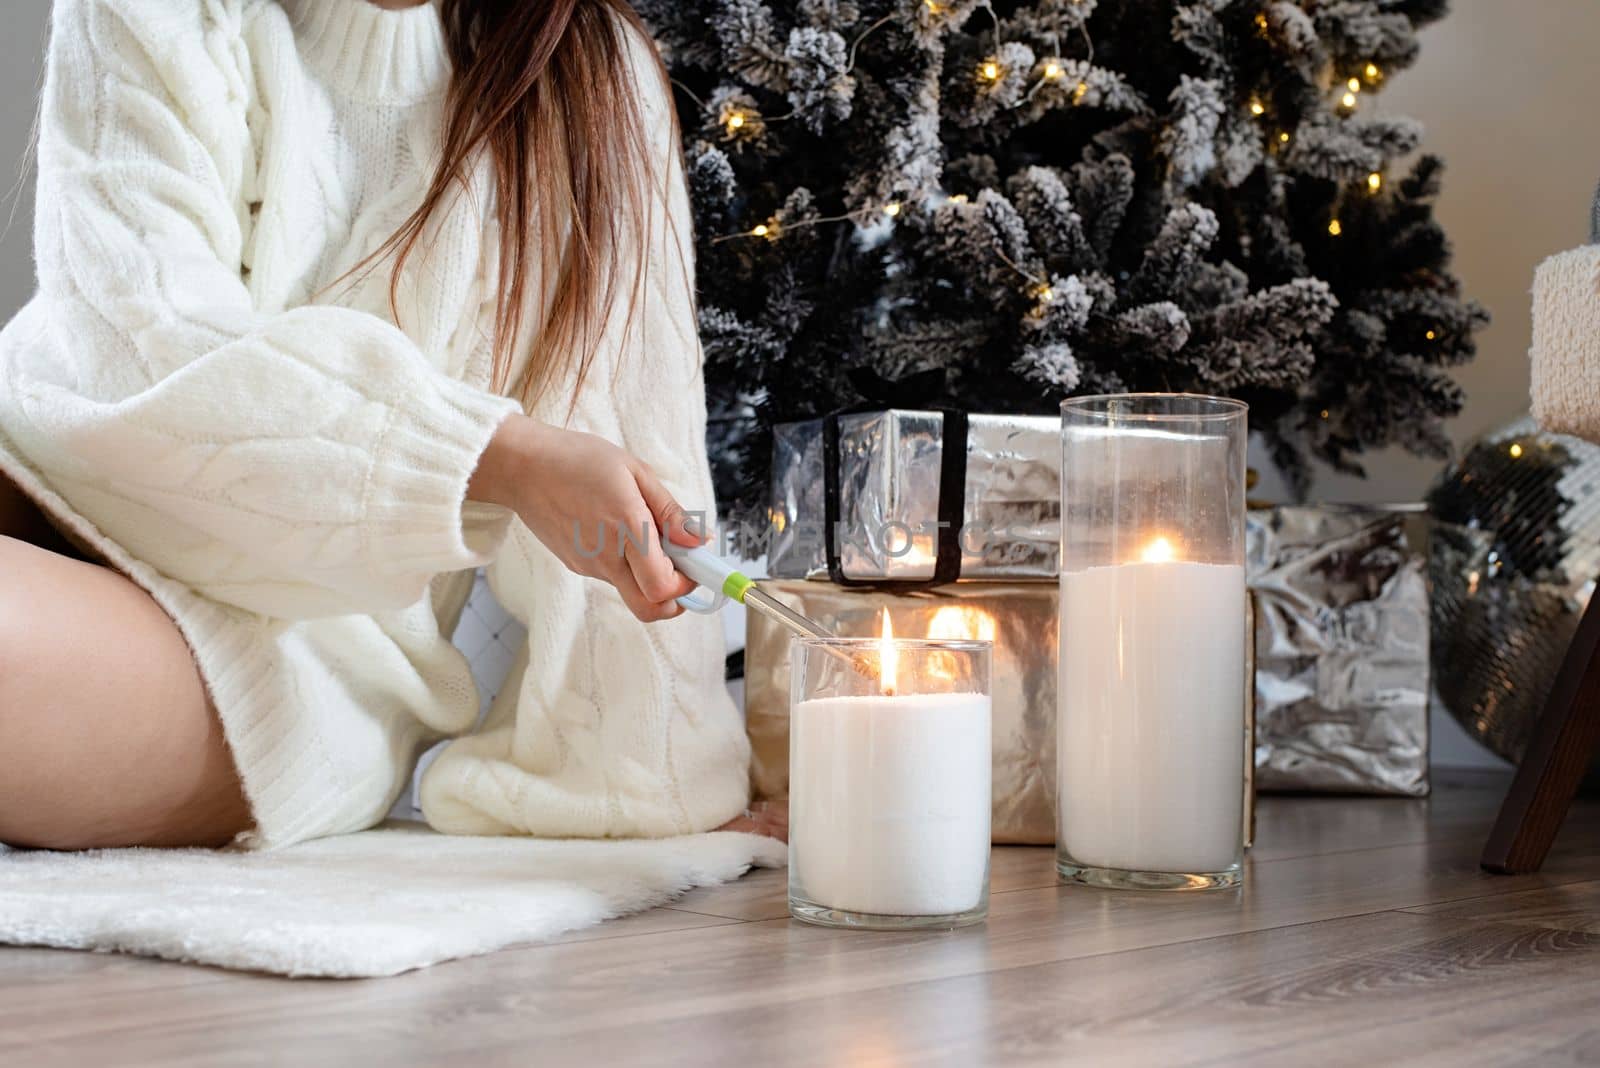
(1516, 551)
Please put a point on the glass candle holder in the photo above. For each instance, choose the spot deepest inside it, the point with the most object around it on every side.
(1151, 696)
(889, 782)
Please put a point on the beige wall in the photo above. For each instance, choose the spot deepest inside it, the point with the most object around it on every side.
(1509, 92)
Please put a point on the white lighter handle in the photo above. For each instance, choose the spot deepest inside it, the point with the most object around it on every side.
(718, 579)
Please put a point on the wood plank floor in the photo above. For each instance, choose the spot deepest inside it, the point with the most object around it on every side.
(1365, 935)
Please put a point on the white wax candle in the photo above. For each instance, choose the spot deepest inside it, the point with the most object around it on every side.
(1151, 760)
(889, 802)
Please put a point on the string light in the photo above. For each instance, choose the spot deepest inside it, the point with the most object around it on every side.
(1334, 228)
(1261, 22)
(1348, 100)
(1354, 84)
(989, 71)
(1283, 138)
(1257, 107)
(934, 7)
(1374, 182)
(1324, 413)
(1373, 73)
(959, 198)
(1515, 450)
(1077, 94)
(892, 208)
(1430, 335)
(735, 121)
(1052, 70)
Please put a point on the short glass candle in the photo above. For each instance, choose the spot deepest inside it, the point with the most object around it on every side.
(889, 782)
(1151, 693)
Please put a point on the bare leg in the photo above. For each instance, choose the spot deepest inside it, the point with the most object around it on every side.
(107, 737)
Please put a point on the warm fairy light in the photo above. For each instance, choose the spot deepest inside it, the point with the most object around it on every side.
(1516, 450)
(1324, 413)
(735, 121)
(1257, 107)
(892, 208)
(1261, 20)
(761, 230)
(888, 657)
(1077, 94)
(1372, 72)
(1354, 84)
(1430, 335)
(1045, 294)
(1374, 181)
(1334, 228)
(1283, 138)
(959, 198)
(1052, 70)
(1348, 100)
(934, 7)
(990, 71)
(1159, 551)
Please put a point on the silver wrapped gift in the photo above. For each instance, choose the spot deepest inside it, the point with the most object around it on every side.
(1341, 649)
(1019, 617)
(889, 496)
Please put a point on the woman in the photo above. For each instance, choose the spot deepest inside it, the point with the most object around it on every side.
(302, 268)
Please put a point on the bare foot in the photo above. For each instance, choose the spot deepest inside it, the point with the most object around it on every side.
(770, 818)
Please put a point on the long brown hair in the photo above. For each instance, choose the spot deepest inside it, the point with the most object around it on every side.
(545, 88)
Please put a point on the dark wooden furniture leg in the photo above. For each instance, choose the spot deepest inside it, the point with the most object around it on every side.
(1558, 755)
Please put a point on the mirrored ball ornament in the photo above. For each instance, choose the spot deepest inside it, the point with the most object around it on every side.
(1515, 555)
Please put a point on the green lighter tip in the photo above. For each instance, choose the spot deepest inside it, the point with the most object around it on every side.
(735, 585)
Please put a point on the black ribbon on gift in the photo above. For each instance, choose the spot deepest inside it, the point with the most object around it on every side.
(917, 392)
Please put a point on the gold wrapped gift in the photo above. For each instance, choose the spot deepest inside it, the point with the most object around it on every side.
(1019, 617)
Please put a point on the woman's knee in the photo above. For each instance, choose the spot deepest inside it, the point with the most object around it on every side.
(107, 736)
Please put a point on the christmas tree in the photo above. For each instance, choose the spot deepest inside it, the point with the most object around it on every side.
(994, 205)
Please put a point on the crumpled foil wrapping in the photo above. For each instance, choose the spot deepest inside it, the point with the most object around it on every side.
(1341, 602)
(1020, 618)
(889, 497)
(1514, 561)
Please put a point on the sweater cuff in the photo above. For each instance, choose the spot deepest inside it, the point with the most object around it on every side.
(418, 515)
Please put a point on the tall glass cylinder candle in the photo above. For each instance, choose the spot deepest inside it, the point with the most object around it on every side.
(1152, 660)
(889, 782)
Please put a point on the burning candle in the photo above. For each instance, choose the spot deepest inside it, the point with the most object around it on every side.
(889, 782)
(1152, 661)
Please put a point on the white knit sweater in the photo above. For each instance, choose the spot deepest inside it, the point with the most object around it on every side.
(284, 468)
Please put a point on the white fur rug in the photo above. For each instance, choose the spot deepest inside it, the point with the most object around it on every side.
(376, 903)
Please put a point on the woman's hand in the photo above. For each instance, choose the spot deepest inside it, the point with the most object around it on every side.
(579, 493)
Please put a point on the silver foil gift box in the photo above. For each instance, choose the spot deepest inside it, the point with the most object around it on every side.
(1341, 601)
(891, 486)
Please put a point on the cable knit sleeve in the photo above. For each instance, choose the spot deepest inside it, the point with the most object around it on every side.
(297, 463)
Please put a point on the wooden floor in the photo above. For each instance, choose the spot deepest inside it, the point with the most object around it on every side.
(1365, 935)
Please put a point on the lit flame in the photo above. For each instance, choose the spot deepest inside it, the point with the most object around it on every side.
(1159, 551)
(888, 657)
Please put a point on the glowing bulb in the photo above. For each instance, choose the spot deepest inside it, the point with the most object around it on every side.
(1372, 72)
(1354, 84)
(1257, 107)
(1348, 100)
(1045, 294)
(1515, 450)
(1159, 551)
(735, 121)
(1374, 181)
(892, 209)
(990, 71)
(1283, 138)
(1077, 94)
(934, 7)
(1324, 413)
(888, 657)
(959, 198)
(1261, 21)
(1430, 335)
(1334, 228)
(1052, 70)
(761, 230)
